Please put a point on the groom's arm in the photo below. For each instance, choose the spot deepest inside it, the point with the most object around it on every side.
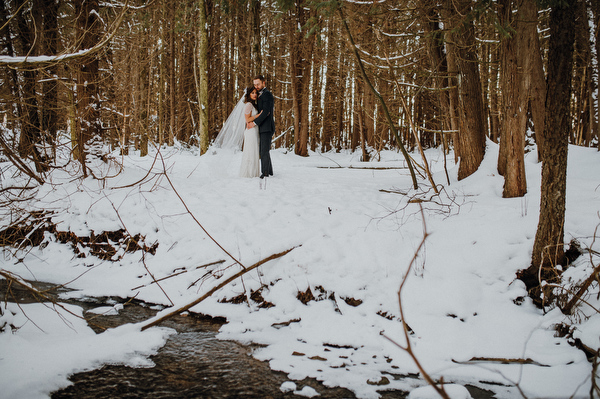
(267, 108)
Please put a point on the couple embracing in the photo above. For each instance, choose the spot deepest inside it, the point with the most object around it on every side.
(251, 123)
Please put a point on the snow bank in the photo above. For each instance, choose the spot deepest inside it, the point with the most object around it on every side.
(354, 243)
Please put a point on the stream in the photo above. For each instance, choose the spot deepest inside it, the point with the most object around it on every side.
(192, 364)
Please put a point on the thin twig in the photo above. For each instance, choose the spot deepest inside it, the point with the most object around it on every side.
(192, 215)
(143, 254)
(378, 96)
(177, 274)
(16, 279)
(408, 347)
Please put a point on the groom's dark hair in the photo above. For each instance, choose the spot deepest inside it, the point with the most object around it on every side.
(259, 77)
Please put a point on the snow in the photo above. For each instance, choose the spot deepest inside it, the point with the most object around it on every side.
(352, 245)
(454, 392)
(38, 358)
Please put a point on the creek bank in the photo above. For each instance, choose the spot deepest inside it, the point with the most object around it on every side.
(193, 363)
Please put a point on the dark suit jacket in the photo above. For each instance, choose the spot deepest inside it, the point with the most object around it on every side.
(265, 121)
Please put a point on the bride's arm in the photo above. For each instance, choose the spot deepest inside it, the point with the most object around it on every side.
(250, 118)
(248, 115)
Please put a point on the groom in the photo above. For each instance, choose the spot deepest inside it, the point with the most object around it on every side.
(266, 125)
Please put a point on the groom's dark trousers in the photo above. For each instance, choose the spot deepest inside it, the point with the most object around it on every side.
(266, 166)
(266, 129)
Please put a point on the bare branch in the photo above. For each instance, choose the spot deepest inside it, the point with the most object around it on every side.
(43, 60)
(213, 290)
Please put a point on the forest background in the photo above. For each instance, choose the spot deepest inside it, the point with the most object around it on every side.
(369, 75)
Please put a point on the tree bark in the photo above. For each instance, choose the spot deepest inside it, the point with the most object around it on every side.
(595, 5)
(470, 107)
(537, 99)
(30, 136)
(49, 98)
(453, 95)
(333, 93)
(582, 78)
(171, 69)
(256, 35)
(516, 82)
(203, 76)
(439, 66)
(300, 59)
(548, 248)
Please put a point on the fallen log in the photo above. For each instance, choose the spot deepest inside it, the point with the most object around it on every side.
(159, 319)
(500, 360)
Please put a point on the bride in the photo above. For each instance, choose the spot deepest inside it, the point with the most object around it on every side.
(234, 132)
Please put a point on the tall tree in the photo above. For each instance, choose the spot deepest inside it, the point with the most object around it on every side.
(537, 99)
(31, 137)
(438, 64)
(300, 61)
(49, 45)
(333, 93)
(519, 22)
(472, 127)
(88, 123)
(583, 83)
(548, 248)
(202, 75)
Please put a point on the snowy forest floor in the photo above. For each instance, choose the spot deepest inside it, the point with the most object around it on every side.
(329, 308)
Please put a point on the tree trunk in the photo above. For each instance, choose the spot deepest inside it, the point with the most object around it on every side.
(470, 107)
(596, 12)
(300, 58)
(144, 87)
(548, 248)
(439, 66)
(333, 96)
(516, 78)
(256, 35)
(494, 96)
(453, 92)
(88, 122)
(202, 72)
(49, 98)
(10, 89)
(30, 136)
(582, 78)
(171, 65)
(537, 99)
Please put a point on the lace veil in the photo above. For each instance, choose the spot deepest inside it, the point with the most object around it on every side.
(231, 134)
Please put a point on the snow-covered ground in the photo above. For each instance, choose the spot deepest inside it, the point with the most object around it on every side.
(353, 243)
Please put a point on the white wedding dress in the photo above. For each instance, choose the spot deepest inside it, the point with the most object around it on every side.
(250, 166)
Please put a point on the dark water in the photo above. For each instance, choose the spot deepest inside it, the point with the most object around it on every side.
(192, 364)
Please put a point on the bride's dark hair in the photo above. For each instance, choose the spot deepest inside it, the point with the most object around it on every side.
(247, 98)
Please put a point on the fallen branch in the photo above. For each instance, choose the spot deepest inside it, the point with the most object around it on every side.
(42, 60)
(363, 167)
(182, 309)
(501, 360)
